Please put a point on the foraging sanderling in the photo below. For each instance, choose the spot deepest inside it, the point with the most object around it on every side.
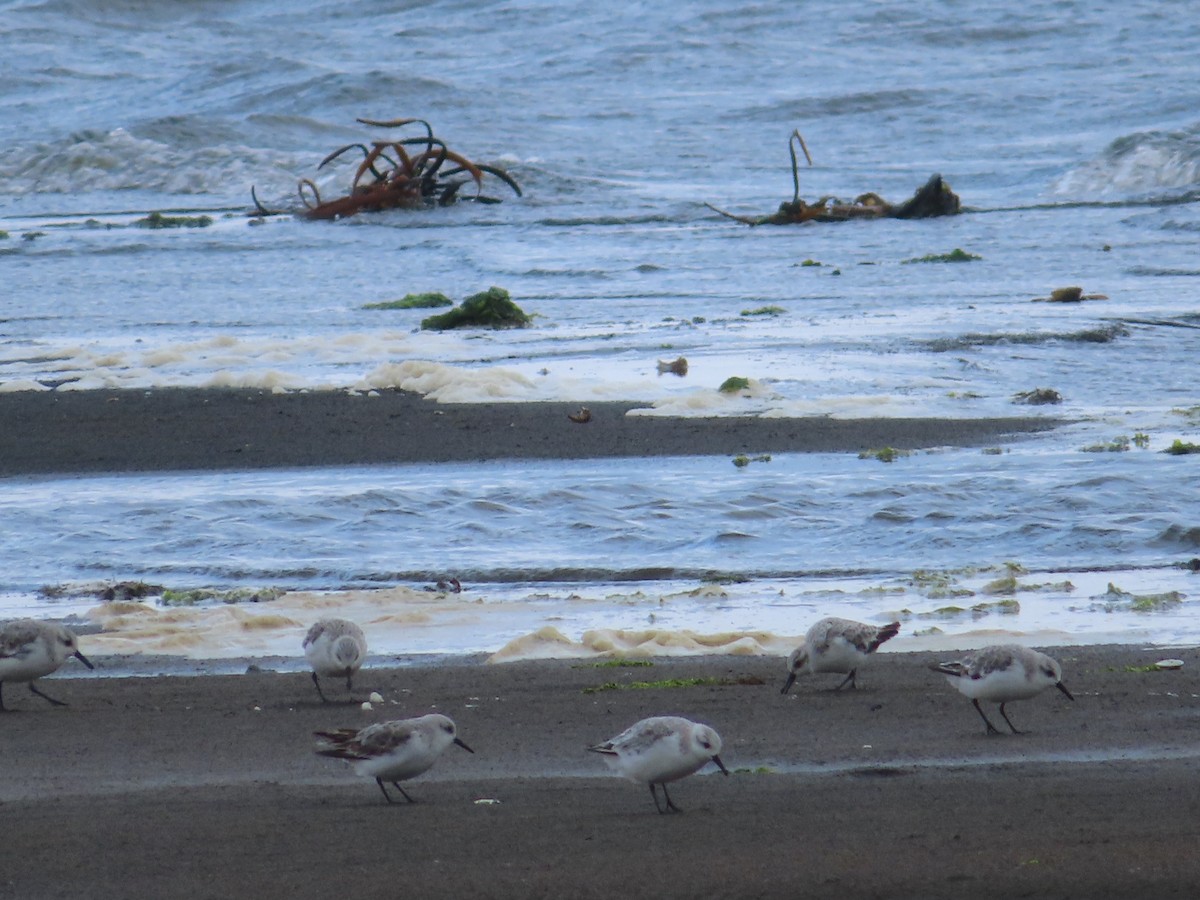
(30, 649)
(661, 749)
(336, 648)
(1003, 673)
(392, 751)
(837, 645)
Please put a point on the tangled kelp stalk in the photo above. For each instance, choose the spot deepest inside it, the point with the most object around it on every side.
(408, 173)
(933, 199)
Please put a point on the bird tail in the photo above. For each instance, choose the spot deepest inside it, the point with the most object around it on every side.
(886, 633)
(338, 744)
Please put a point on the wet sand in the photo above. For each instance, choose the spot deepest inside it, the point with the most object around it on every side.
(71, 432)
(198, 787)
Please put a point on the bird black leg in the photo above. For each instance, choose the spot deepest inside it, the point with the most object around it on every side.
(349, 686)
(850, 680)
(2, 709)
(670, 807)
(324, 699)
(45, 696)
(991, 729)
(379, 781)
(396, 785)
(1010, 724)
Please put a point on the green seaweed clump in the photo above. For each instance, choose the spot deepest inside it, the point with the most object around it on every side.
(733, 384)
(765, 311)
(492, 308)
(200, 595)
(1182, 448)
(955, 255)
(426, 300)
(884, 454)
(1152, 602)
(3, 235)
(742, 460)
(1116, 445)
(158, 220)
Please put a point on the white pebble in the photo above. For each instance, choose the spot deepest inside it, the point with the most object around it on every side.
(376, 697)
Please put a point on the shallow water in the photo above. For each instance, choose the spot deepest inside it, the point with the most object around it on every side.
(1069, 130)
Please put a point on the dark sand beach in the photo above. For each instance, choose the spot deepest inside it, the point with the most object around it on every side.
(186, 786)
(206, 786)
(178, 429)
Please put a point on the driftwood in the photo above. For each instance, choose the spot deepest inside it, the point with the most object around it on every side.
(408, 173)
(933, 199)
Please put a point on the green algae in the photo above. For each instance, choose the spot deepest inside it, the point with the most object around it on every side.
(428, 300)
(733, 384)
(742, 460)
(1182, 448)
(492, 308)
(955, 255)
(158, 220)
(193, 596)
(884, 454)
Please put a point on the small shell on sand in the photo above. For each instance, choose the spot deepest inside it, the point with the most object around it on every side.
(1170, 663)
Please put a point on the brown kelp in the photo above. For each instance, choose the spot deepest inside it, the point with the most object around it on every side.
(399, 173)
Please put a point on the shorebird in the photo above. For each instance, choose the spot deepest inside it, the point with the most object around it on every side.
(1003, 673)
(837, 645)
(30, 649)
(392, 751)
(335, 648)
(661, 749)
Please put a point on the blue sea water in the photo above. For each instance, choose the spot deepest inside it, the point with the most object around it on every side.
(1071, 132)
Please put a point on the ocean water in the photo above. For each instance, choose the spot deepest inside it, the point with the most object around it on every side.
(1071, 132)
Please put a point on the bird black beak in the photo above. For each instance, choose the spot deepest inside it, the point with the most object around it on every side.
(464, 746)
(83, 659)
(787, 685)
(1062, 687)
(720, 765)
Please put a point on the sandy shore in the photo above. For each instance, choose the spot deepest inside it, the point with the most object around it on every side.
(207, 787)
(179, 429)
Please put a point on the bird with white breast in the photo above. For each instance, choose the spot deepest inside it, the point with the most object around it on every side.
(837, 645)
(660, 749)
(335, 648)
(1001, 674)
(30, 649)
(392, 751)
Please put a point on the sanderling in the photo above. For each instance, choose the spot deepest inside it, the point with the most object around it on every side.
(661, 749)
(837, 645)
(1001, 674)
(392, 751)
(337, 648)
(30, 649)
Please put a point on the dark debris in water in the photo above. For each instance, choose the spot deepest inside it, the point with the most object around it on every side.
(1038, 397)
